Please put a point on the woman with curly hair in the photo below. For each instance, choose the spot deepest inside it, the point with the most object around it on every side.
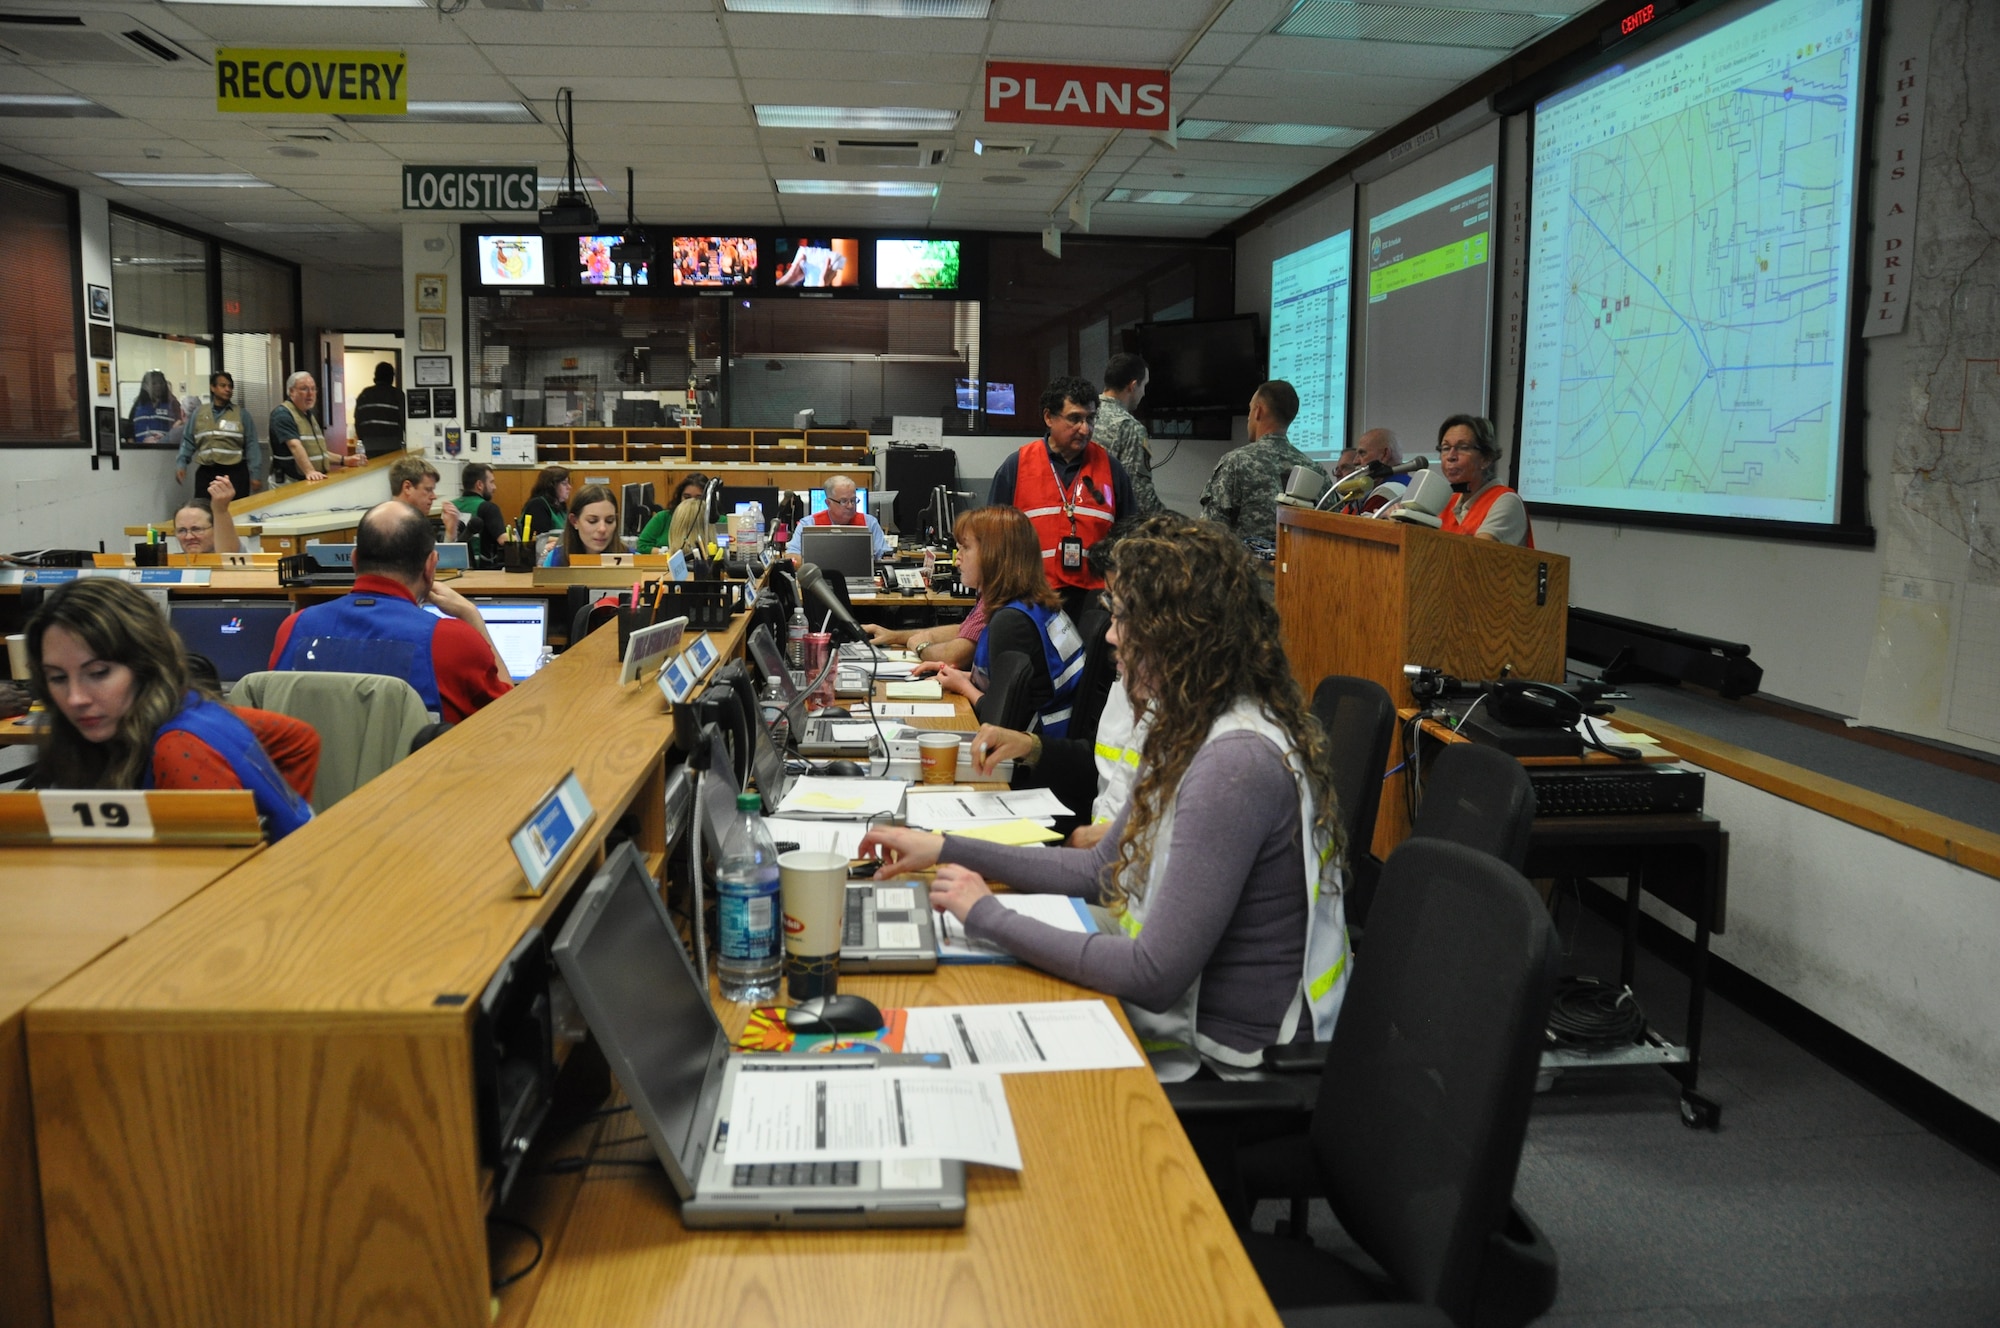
(1224, 868)
(126, 712)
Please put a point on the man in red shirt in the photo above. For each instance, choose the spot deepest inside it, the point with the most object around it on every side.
(843, 508)
(382, 627)
(1070, 487)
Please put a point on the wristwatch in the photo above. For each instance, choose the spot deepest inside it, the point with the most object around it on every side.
(1034, 756)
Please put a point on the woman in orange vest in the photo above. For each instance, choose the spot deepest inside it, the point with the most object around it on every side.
(1485, 508)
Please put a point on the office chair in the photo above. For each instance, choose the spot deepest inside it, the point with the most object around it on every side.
(592, 616)
(366, 722)
(1415, 1132)
(1100, 670)
(1006, 700)
(1479, 797)
(1360, 723)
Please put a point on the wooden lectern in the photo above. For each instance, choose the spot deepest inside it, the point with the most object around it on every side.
(1365, 597)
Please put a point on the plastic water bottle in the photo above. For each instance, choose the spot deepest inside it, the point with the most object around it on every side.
(546, 658)
(752, 936)
(795, 637)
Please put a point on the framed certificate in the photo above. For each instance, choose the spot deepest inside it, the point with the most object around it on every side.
(432, 370)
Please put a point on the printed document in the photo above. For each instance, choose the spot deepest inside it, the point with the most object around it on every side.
(792, 1115)
(1017, 1039)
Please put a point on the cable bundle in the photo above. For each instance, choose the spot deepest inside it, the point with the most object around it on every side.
(1589, 1015)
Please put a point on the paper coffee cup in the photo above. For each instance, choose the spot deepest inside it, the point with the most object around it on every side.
(17, 655)
(937, 756)
(813, 888)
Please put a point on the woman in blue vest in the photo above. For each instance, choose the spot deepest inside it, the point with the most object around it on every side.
(155, 410)
(999, 556)
(124, 715)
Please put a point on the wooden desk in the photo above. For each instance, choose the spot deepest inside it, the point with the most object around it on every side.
(63, 907)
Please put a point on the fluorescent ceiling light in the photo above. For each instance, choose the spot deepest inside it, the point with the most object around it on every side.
(315, 4)
(870, 188)
(58, 106)
(183, 180)
(866, 8)
(1283, 135)
(923, 118)
(297, 227)
(555, 184)
(1418, 24)
(452, 112)
(1178, 197)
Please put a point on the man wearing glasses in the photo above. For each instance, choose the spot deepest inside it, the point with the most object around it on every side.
(843, 508)
(1069, 487)
(209, 529)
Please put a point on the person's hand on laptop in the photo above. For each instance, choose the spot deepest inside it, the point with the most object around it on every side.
(993, 744)
(956, 889)
(902, 851)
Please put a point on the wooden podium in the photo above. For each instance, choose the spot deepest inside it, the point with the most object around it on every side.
(1365, 597)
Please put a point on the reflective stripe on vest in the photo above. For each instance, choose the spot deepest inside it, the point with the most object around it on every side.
(1040, 498)
(310, 437)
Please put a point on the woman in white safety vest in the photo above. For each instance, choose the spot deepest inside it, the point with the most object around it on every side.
(1224, 867)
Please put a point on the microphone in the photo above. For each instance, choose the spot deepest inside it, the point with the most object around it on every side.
(813, 584)
(1375, 472)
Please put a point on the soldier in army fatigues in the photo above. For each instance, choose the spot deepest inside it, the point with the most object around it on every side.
(1125, 379)
(1243, 492)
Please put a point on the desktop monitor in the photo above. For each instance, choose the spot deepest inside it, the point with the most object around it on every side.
(635, 506)
(237, 636)
(882, 505)
(520, 631)
(594, 265)
(818, 501)
(511, 260)
(734, 495)
(846, 552)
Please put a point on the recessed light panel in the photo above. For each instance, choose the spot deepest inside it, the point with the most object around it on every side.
(183, 180)
(867, 188)
(1281, 135)
(866, 8)
(53, 106)
(906, 118)
(453, 112)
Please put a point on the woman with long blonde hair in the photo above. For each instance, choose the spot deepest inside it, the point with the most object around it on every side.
(1224, 869)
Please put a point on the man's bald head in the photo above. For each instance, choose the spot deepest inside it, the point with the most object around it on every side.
(395, 540)
(1378, 445)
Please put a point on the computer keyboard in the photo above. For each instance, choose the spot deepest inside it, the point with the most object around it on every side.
(766, 1175)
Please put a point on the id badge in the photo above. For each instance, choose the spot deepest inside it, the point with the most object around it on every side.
(1070, 549)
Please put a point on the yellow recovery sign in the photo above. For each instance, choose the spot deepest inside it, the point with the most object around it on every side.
(320, 82)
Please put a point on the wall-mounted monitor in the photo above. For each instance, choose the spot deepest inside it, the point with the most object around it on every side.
(930, 265)
(714, 260)
(965, 393)
(818, 262)
(1209, 365)
(598, 263)
(999, 398)
(511, 260)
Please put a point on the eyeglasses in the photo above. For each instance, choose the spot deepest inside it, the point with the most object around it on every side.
(1457, 449)
(1080, 417)
(848, 501)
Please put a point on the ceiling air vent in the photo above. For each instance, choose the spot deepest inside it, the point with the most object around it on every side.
(904, 152)
(88, 39)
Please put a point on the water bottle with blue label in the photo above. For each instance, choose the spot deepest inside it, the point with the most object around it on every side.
(751, 938)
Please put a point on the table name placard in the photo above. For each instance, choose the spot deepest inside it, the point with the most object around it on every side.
(555, 825)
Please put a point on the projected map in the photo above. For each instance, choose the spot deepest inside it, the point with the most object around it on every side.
(1690, 273)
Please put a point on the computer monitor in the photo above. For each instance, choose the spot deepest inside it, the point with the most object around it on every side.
(235, 635)
(520, 631)
(818, 501)
(847, 552)
(882, 504)
(635, 506)
(732, 494)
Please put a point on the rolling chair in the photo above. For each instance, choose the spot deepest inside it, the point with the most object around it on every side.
(1360, 723)
(1415, 1132)
(366, 722)
(1479, 797)
(1006, 700)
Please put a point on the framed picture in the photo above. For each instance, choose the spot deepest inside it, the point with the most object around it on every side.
(100, 340)
(432, 370)
(100, 303)
(430, 334)
(417, 404)
(444, 403)
(430, 292)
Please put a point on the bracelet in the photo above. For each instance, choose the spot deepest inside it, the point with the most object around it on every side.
(1034, 756)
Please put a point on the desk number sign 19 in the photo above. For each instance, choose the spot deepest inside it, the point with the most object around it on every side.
(95, 814)
(557, 822)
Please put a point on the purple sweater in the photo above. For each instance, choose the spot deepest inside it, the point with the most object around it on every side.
(1233, 912)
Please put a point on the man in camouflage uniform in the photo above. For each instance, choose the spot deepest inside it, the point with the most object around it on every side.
(1243, 492)
(1125, 379)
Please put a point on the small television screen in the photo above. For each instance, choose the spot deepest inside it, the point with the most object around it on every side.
(967, 393)
(816, 262)
(1206, 365)
(916, 265)
(999, 398)
(714, 260)
(597, 263)
(511, 260)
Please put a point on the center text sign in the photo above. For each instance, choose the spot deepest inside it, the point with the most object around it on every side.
(1086, 95)
(470, 189)
(315, 82)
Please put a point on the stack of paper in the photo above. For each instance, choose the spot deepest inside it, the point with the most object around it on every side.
(952, 809)
(1060, 911)
(1013, 1039)
(922, 689)
(823, 797)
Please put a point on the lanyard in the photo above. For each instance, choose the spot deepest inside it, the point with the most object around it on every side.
(1062, 494)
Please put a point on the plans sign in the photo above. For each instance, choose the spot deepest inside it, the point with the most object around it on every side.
(1089, 96)
(317, 82)
(470, 189)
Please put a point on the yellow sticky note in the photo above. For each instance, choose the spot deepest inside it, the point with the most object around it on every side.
(1011, 832)
(923, 689)
(830, 802)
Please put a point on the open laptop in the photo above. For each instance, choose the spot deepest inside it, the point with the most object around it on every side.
(520, 630)
(847, 552)
(814, 737)
(235, 635)
(639, 994)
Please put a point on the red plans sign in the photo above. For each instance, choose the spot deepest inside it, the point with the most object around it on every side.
(1086, 95)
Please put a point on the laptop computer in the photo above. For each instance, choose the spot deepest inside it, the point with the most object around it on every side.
(888, 928)
(847, 552)
(520, 630)
(640, 997)
(235, 635)
(814, 737)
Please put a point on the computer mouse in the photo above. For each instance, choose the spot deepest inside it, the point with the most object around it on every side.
(834, 712)
(849, 768)
(839, 1013)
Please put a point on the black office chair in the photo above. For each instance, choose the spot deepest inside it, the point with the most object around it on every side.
(1416, 1130)
(590, 614)
(1360, 723)
(1100, 670)
(1479, 797)
(1006, 700)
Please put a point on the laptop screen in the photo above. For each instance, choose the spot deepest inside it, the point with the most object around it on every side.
(520, 629)
(843, 551)
(770, 662)
(642, 1001)
(234, 635)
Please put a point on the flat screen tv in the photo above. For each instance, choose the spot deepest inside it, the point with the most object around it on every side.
(1200, 365)
(817, 262)
(511, 260)
(916, 265)
(597, 265)
(714, 260)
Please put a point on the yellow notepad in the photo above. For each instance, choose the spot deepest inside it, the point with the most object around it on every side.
(1011, 832)
(922, 689)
